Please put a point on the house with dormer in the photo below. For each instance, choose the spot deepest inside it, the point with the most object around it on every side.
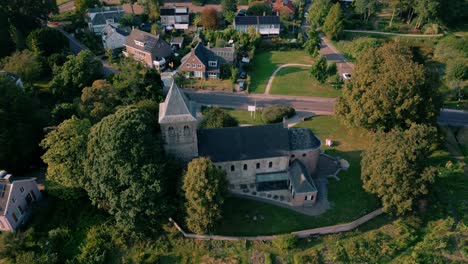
(99, 17)
(17, 195)
(259, 161)
(205, 62)
(150, 49)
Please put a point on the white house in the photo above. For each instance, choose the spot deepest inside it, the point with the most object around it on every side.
(113, 37)
(98, 18)
(16, 198)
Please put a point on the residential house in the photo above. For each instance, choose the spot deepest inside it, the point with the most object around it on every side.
(14, 77)
(177, 17)
(287, 4)
(99, 17)
(205, 62)
(265, 25)
(150, 49)
(16, 198)
(113, 37)
(259, 161)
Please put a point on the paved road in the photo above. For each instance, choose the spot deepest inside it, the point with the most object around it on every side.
(452, 117)
(320, 106)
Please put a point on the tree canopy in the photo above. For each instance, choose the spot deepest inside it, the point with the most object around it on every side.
(389, 89)
(317, 12)
(333, 26)
(276, 113)
(259, 8)
(205, 188)
(229, 9)
(25, 64)
(78, 72)
(318, 70)
(217, 118)
(46, 41)
(21, 122)
(209, 18)
(396, 166)
(125, 169)
(98, 100)
(65, 155)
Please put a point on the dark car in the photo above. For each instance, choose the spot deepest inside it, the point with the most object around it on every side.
(242, 75)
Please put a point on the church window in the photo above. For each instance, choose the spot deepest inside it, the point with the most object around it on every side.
(270, 164)
(303, 155)
(232, 168)
(245, 166)
(171, 131)
(186, 130)
(258, 165)
(293, 156)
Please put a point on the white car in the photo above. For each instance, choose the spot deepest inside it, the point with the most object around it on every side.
(346, 76)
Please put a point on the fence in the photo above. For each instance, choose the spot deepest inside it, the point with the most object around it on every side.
(303, 233)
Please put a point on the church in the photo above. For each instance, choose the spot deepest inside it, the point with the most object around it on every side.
(269, 162)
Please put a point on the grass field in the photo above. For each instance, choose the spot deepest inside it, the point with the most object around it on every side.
(265, 63)
(349, 200)
(244, 117)
(296, 81)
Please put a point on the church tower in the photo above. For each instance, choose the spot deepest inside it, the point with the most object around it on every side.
(178, 122)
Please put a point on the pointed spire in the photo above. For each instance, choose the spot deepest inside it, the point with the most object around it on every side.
(176, 108)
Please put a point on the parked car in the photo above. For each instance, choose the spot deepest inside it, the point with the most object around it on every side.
(346, 76)
(242, 75)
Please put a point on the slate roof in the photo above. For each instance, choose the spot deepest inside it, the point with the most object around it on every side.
(243, 143)
(152, 43)
(167, 11)
(98, 16)
(256, 20)
(205, 55)
(176, 107)
(108, 30)
(300, 178)
(302, 138)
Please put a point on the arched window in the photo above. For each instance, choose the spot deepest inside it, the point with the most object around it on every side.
(270, 164)
(186, 130)
(171, 131)
(258, 165)
(303, 154)
(232, 168)
(245, 166)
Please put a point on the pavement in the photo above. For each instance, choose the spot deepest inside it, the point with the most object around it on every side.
(453, 117)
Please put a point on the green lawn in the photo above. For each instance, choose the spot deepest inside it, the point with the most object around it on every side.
(349, 200)
(265, 63)
(296, 81)
(244, 117)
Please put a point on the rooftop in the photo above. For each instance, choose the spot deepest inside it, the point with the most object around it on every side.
(147, 42)
(256, 20)
(302, 138)
(300, 178)
(176, 107)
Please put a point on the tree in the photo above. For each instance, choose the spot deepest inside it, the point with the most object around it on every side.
(317, 13)
(83, 5)
(205, 189)
(21, 122)
(76, 73)
(333, 26)
(396, 166)
(217, 118)
(65, 155)
(259, 8)
(209, 18)
(99, 100)
(229, 9)
(365, 8)
(125, 169)
(312, 46)
(153, 10)
(6, 45)
(46, 41)
(285, 13)
(425, 9)
(25, 64)
(135, 82)
(389, 90)
(319, 69)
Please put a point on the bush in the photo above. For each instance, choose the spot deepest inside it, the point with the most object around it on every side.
(275, 113)
(285, 242)
(217, 118)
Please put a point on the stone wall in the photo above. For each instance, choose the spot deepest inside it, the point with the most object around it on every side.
(180, 139)
(308, 157)
(247, 176)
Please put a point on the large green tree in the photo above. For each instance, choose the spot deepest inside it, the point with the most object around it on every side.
(318, 70)
(217, 118)
(135, 82)
(317, 13)
(396, 167)
(365, 8)
(98, 100)
(229, 9)
(25, 64)
(78, 72)
(21, 122)
(388, 90)
(205, 188)
(259, 8)
(65, 155)
(312, 46)
(209, 18)
(333, 26)
(126, 169)
(46, 41)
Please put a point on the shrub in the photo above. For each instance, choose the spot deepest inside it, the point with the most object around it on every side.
(285, 242)
(275, 113)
